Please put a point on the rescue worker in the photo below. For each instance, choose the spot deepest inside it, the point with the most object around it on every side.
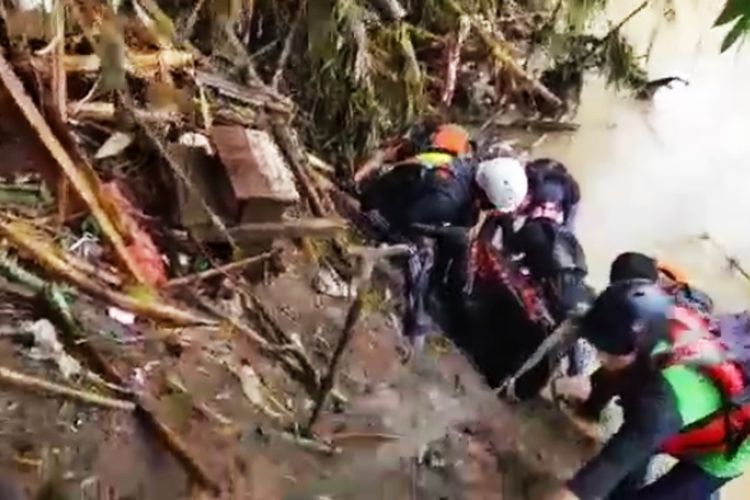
(427, 144)
(438, 188)
(635, 265)
(674, 385)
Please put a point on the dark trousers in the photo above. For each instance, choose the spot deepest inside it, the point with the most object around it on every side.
(686, 481)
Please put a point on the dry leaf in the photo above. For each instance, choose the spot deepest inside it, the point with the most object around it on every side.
(115, 145)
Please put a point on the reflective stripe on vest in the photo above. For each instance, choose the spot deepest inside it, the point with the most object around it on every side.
(432, 159)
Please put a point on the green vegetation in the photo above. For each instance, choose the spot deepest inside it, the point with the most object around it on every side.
(737, 13)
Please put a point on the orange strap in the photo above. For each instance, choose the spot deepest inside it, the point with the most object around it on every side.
(672, 272)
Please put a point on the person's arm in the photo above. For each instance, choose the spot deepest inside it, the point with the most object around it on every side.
(651, 417)
(376, 162)
(604, 386)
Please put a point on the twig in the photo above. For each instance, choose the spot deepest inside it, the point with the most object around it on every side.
(368, 257)
(55, 102)
(542, 125)
(617, 27)
(319, 164)
(287, 49)
(376, 436)
(290, 356)
(290, 145)
(22, 381)
(193, 18)
(732, 261)
(309, 444)
(222, 270)
(265, 320)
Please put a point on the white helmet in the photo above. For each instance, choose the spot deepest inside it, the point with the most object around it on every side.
(504, 182)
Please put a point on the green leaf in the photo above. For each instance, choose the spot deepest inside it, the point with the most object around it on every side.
(740, 28)
(732, 10)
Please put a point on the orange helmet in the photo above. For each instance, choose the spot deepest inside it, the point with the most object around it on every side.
(452, 138)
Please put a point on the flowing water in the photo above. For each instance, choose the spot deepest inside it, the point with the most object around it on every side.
(656, 175)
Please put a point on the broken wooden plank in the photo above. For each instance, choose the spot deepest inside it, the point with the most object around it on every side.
(254, 164)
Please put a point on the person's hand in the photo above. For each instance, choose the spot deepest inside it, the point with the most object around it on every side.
(573, 389)
(474, 230)
(560, 494)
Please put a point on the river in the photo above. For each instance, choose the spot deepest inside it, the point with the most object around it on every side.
(656, 175)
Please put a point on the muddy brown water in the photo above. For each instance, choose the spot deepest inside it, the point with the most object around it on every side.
(656, 175)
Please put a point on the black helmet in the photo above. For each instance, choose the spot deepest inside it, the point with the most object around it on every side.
(633, 265)
(626, 317)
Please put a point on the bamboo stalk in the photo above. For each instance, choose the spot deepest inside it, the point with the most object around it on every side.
(22, 381)
(137, 63)
(106, 112)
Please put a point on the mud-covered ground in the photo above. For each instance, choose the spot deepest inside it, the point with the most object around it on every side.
(428, 428)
